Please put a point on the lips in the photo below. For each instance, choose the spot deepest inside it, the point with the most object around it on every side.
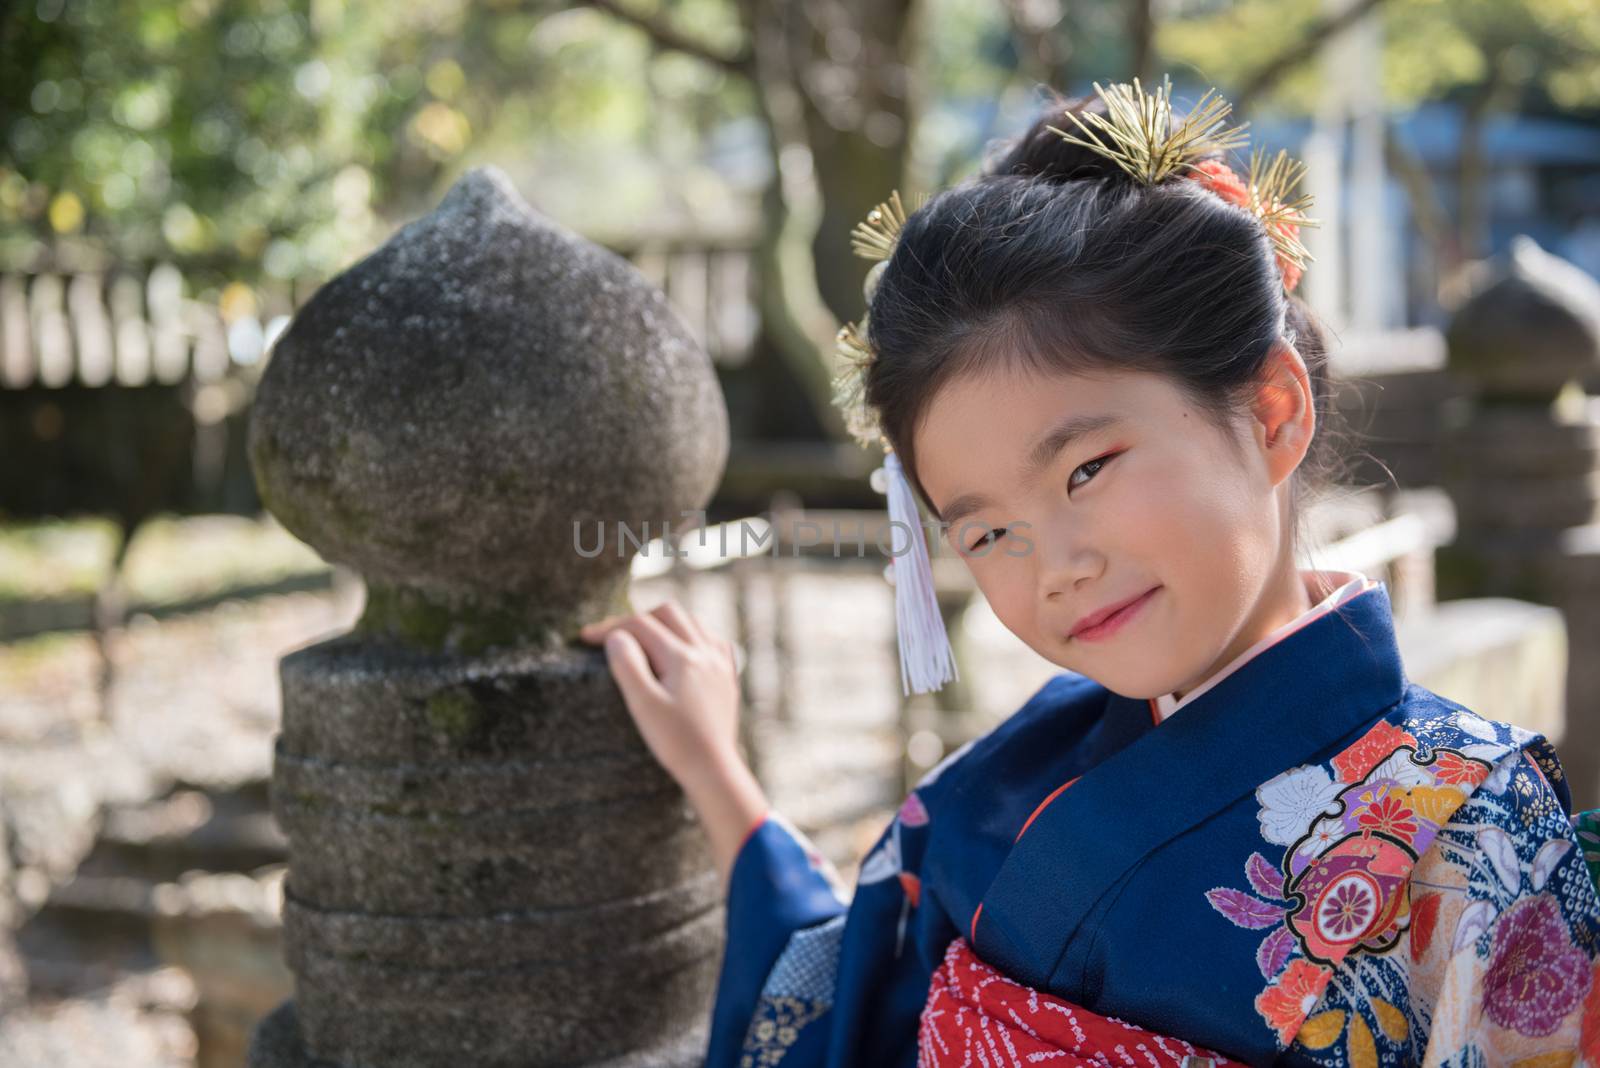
(1095, 618)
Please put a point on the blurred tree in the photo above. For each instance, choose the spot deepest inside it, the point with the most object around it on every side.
(1490, 55)
(834, 86)
(214, 132)
(279, 136)
(285, 137)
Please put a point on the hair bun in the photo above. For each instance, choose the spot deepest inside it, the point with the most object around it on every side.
(1044, 154)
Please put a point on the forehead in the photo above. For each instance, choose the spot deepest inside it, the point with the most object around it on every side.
(980, 429)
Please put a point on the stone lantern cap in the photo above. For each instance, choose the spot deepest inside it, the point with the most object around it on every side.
(1531, 330)
(440, 415)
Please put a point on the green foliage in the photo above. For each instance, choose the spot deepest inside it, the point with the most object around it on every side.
(199, 129)
(1432, 48)
(284, 137)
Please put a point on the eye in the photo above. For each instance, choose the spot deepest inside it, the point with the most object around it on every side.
(988, 539)
(1096, 464)
(1092, 467)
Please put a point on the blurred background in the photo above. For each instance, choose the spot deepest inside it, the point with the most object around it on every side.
(177, 178)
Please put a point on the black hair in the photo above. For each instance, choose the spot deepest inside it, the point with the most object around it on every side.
(1056, 257)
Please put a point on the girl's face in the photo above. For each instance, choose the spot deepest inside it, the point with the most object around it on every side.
(1068, 494)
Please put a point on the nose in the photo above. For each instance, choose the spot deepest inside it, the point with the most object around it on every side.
(1065, 564)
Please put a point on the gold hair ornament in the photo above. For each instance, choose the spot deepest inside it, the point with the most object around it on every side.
(1144, 140)
(874, 238)
(1147, 144)
(1280, 208)
(927, 660)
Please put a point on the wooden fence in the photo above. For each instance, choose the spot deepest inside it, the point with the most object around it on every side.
(125, 328)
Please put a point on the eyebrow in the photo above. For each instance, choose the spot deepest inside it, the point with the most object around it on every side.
(1058, 437)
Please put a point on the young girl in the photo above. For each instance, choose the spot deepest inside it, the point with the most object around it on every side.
(1232, 829)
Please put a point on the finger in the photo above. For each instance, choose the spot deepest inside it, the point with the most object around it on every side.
(679, 621)
(595, 630)
(660, 643)
(631, 669)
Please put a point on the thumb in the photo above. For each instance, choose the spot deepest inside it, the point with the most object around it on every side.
(631, 668)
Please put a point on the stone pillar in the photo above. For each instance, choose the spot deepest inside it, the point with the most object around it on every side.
(486, 866)
(1522, 467)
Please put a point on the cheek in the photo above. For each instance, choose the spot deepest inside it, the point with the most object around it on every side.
(1213, 540)
(1190, 495)
(1178, 518)
(1160, 508)
(1004, 584)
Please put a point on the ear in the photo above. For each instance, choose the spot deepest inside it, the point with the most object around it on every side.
(1285, 411)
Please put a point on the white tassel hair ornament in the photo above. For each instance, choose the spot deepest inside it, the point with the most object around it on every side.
(927, 660)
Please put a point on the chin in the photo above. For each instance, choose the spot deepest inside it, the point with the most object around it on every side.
(1134, 683)
(1134, 691)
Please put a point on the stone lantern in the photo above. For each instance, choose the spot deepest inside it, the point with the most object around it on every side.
(1522, 467)
(486, 866)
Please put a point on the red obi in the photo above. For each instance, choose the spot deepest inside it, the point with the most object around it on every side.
(975, 1015)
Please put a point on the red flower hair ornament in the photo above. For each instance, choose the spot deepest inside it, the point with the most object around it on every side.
(1282, 222)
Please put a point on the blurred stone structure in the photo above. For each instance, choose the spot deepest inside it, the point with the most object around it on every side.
(486, 866)
(1522, 468)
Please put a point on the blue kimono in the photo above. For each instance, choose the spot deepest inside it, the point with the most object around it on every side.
(1313, 862)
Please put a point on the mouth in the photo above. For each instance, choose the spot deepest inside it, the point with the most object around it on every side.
(1103, 624)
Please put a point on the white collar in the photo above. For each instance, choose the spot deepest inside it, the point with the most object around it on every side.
(1350, 584)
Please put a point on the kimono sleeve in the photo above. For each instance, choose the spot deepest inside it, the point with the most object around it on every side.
(1511, 972)
(807, 980)
(780, 887)
(1500, 960)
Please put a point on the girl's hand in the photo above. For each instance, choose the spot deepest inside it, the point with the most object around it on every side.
(681, 686)
(680, 683)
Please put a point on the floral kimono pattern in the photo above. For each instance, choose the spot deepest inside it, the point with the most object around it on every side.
(1429, 903)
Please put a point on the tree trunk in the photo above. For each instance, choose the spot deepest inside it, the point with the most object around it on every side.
(834, 89)
(857, 113)
(1141, 36)
(1473, 214)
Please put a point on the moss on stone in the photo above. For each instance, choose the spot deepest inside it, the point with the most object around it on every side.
(477, 624)
(454, 714)
(406, 616)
